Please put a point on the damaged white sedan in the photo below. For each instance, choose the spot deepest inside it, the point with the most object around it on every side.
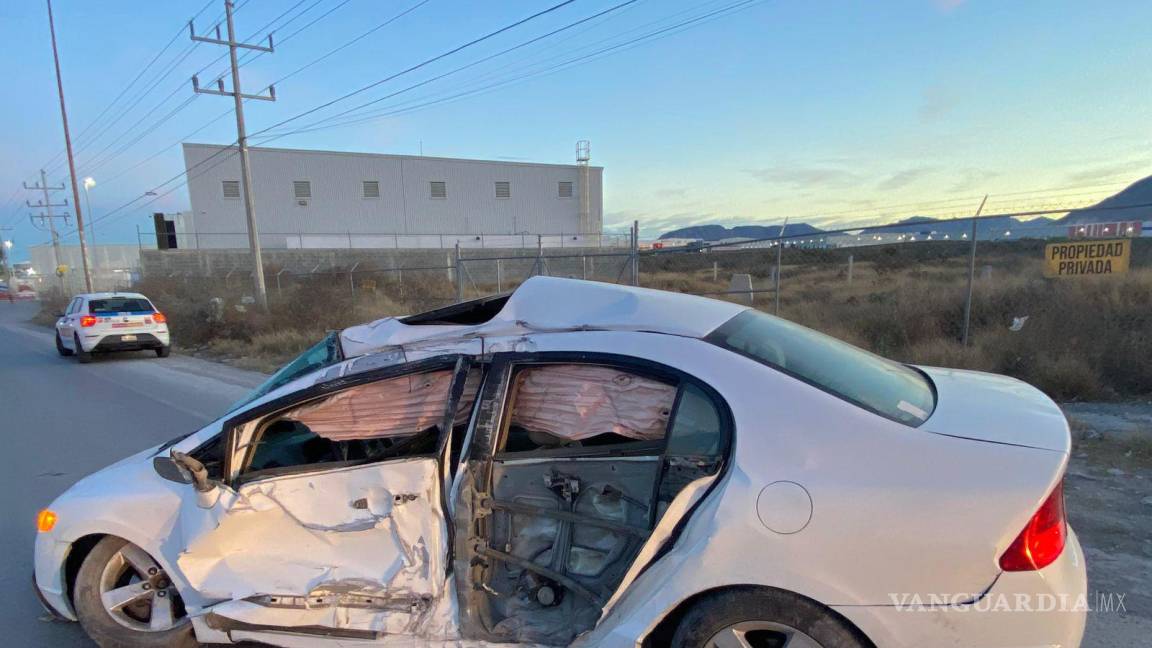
(590, 465)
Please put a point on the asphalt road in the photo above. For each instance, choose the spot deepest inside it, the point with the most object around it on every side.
(60, 421)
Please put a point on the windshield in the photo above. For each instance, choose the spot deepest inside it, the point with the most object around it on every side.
(113, 305)
(887, 388)
(325, 353)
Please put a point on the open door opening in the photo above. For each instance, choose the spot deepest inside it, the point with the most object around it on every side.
(575, 460)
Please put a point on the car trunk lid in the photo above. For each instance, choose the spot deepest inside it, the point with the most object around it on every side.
(997, 409)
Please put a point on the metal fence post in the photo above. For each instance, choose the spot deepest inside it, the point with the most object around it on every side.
(279, 292)
(971, 274)
(352, 279)
(584, 267)
(849, 268)
(499, 276)
(459, 276)
(635, 260)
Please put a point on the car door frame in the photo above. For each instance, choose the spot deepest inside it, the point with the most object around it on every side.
(477, 459)
(232, 477)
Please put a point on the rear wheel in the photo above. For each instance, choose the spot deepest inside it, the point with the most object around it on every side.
(83, 356)
(163, 352)
(60, 348)
(756, 618)
(124, 599)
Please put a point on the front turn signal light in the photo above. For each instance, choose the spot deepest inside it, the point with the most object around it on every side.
(45, 520)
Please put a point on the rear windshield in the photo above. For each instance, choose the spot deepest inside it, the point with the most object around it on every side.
(877, 384)
(113, 305)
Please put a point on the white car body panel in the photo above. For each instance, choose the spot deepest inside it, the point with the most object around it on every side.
(894, 509)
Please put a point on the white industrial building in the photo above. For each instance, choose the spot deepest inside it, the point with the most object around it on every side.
(325, 199)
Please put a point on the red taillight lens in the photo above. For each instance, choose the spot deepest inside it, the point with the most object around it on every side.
(87, 320)
(1042, 540)
(159, 317)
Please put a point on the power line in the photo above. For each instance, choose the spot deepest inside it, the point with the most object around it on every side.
(422, 64)
(99, 162)
(630, 43)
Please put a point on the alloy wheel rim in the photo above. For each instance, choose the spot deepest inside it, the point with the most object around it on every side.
(137, 593)
(760, 634)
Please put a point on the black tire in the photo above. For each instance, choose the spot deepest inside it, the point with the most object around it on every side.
(60, 348)
(106, 631)
(83, 356)
(714, 613)
(164, 352)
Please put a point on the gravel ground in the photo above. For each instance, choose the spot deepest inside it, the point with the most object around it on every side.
(1109, 498)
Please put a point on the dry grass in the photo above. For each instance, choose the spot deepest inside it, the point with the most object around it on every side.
(1085, 338)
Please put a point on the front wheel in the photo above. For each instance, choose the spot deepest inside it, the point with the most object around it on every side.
(60, 348)
(763, 618)
(124, 599)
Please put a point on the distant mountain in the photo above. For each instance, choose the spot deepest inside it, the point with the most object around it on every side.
(1110, 209)
(987, 228)
(719, 232)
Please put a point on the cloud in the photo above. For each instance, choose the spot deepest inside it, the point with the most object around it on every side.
(904, 178)
(805, 177)
(671, 192)
(936, 102)
(1108, 171)
(971, 180)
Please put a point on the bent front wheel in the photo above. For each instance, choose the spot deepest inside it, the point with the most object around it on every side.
(124, 599)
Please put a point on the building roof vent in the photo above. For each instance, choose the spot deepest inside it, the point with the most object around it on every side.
(371, 188)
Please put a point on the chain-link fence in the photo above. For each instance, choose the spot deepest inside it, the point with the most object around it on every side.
(952, 294)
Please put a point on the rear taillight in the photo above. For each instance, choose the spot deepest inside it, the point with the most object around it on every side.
(159, 317)
(1042, 540)
(87, 320)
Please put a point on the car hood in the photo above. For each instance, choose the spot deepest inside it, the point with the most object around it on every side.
(998, 409)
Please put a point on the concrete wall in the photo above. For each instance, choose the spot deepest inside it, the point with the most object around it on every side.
(405, 206)
(480, 267)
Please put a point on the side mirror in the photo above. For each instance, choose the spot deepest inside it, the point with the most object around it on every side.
(197, 473)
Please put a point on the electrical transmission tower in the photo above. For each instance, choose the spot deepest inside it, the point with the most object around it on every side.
(241, 135)
(46, 215)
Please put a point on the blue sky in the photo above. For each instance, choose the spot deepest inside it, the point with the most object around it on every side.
(829, 111)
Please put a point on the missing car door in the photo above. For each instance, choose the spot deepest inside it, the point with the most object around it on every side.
(574, 460)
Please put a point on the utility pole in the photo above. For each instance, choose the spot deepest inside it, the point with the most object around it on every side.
(241, 135)
(46, 205)
(71, 161)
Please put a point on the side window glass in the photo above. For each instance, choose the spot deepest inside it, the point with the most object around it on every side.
(695, 444)
(388, 419)
(696, 429)
(568, 407)
(72, 306)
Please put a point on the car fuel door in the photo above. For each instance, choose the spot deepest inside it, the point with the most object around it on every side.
(332, 523)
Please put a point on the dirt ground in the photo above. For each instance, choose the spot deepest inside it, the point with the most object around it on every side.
(1108, 492)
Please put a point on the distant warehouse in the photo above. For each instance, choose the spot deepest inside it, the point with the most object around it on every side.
(325, 199)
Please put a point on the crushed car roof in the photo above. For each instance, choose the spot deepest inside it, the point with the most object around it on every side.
(550, 304)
